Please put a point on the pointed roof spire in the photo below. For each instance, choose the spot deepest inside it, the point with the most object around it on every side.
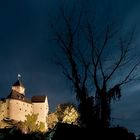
(18, 83)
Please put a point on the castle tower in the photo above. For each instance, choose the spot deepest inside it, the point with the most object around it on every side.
(18, 86)
(18, 90)
(18, 105)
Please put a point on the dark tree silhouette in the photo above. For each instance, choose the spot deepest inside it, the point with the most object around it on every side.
(94, 59)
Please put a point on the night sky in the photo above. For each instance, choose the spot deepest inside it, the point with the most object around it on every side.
(26, 47)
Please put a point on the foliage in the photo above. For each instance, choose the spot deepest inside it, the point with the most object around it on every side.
(52, 120)
(31, 124)
(41, 127)
(64, 113)
(67, 113)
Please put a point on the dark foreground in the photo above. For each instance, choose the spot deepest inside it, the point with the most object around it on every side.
(69, 132)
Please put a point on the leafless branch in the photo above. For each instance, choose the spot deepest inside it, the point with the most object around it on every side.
(127, 78)
(124, 52)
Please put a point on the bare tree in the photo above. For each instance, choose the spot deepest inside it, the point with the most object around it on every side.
(103, 76)
(102, 59)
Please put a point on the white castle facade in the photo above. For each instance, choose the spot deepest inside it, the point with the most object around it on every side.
(16, 106)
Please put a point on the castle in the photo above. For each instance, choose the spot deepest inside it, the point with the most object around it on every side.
(16, 105)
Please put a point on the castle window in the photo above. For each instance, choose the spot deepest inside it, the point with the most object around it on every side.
(25, 110)
(20, 109)
(7, 107)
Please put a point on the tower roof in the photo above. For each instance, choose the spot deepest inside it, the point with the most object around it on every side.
(18, 83)
(15, 95)
(18, 96)
(38, 99)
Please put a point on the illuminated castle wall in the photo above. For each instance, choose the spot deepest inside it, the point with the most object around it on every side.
(16, 105)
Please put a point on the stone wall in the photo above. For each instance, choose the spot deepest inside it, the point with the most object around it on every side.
(42, 110)
(3, 109)
(18, 109)
(15, 109)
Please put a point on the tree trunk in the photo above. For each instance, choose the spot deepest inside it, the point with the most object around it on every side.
(103, 109)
